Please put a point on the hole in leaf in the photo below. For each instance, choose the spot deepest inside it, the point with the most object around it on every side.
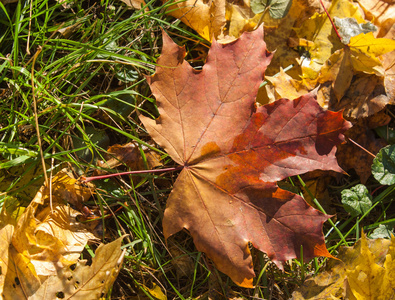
(17, 281)
(59, 295)
(69, 278)
(72, 267)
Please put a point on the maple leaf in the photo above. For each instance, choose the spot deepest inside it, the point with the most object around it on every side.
(232, 154)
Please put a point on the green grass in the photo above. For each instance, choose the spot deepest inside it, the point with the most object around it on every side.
(87, 84)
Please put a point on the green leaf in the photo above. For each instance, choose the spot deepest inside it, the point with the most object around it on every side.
(383, 231)
(356, 200)
(383, 168)
(277, 8)
(386, 133)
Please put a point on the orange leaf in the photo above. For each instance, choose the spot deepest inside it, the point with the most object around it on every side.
(233, 153)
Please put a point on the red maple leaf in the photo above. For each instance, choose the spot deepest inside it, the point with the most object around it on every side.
(233, 153)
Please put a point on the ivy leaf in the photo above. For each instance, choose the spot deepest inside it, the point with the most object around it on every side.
(278, 9)
(356, 200)
(383, 168)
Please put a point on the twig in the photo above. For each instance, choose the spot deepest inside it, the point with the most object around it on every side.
(367, 151)
(36, 115)
(87, 179)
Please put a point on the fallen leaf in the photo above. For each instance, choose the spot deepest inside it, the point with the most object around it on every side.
(350, 156)
(365, 271)
(318, 29)
(349, 27)
(234, 153)
(277, 35)
(155, 292)
(381, 12)
(40, 242)
(338, 70)
(366, 49)
(87, 282)
(206, 17)
(365, 97)
(286, 87)
(130, 155)
(136, 4)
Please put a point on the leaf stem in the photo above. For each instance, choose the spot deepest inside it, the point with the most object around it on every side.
(367, 151)
(330, 19)
(87, 179)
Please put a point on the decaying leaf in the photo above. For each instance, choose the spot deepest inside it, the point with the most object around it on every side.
(232, 154)
(130, 155)
(41, 241)
(365, 271)
(82, 281)
(349, 27)
(381, 12)
(136, 4)
(351, 156)
(277, 8)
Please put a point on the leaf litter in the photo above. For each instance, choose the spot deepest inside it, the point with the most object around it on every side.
(237, 18)
(41, 247)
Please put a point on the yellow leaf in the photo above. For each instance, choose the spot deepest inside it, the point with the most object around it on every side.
(287, 87)
(85, 282)
(368, 44)
(338, 70)
(155, 292)
(39, 245)
(367, 279)
(364, 62)
(206, 17)
(319, 30)
(365, 271)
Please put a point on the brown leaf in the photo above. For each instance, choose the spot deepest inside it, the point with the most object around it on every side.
(136, 4)
(130, 155)
(351, 156)
(232, 154)
(365, 97)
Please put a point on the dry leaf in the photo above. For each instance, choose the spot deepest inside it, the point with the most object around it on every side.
(318, 29)
(39, 244)
(365, 271)
(85, 282)
(351, 156)
(136, 4)
(365, 97)
(130, 155)
(234, 153)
